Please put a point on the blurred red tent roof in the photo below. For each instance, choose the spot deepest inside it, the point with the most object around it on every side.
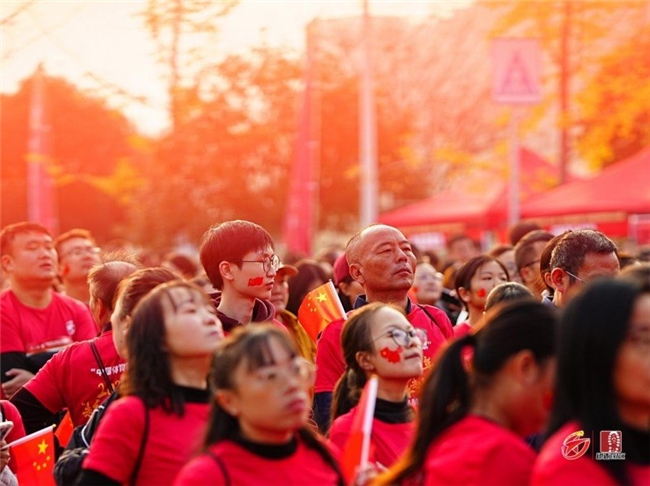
(621, 187)
(471, 209)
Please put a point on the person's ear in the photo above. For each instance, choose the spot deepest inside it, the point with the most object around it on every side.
(356, 272)
(65, 269)
(7, 263)
(365, 363)
(225, 270)
(557, 279)
(229, 401)
(524, 367)
(464, 294)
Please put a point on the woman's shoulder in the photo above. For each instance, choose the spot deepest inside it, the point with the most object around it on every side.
(564, 459)
(205, 469)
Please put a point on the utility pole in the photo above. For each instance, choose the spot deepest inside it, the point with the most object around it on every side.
(367, 130)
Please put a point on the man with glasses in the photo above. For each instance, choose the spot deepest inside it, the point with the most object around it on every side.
(381, 259)
(578, 258)
(35, 321)
(78, 253)
(528, 252)
(239, 259)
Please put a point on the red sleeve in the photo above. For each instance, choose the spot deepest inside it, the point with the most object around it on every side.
(11, 338)
(116, 444)
(45, 384)
(85, 325)
(330, 364)
(201, 471)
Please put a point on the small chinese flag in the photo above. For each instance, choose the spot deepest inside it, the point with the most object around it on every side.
(64, 430)
(320, 307)
(34, 456)
(356, 450)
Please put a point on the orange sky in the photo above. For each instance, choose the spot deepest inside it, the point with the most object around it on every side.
(97, 42)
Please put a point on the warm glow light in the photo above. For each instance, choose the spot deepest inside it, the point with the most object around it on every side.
(103, 45)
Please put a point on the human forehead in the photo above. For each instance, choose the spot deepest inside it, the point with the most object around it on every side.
(424, 269)
(599, 264)
(261, 252)
(76, 241)
(388, 318)
(489, 267)
(178, 296)
(377, 236)
(23, 239)
(641, 314)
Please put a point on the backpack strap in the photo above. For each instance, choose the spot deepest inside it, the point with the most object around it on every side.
(222, 466)
(100, 363)
(442, 330)
(143, 443)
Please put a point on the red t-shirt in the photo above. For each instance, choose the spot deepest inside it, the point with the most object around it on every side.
(171, 441)
(32, 331)
(462, 329)
(551, 468)
(305, 466)
(329, 355)
(477, 451)
(72, 378)
(388, 441)
(12, 414)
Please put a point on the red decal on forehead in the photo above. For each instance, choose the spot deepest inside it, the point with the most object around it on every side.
(480, 293)
(390, 355)
(255, 282)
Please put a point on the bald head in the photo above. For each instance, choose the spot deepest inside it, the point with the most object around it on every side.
(104, 278)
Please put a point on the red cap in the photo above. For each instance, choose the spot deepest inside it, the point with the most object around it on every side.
(341, 269)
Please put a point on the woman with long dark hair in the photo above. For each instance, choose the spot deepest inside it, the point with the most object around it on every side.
(378, 339)
(474, 281)
(147, 436)
(257, 431)
(602, 397)
(488, 390)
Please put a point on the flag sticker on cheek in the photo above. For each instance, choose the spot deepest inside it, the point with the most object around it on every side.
(255, 282)
(390, 355)
(481, 293)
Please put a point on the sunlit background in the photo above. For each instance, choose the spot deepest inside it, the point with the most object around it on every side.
(154, 120)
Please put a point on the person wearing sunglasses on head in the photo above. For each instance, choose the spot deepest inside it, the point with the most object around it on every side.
(258, 432)
(379, 340)
(239, 259)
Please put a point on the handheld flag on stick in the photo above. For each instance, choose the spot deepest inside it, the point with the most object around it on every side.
(34, 456)
(320, 307)
(64, 430)
(357, 448)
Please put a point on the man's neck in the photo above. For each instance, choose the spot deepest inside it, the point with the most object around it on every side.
(237, 306)
(38, 296)
(77, 290)
(399, 298)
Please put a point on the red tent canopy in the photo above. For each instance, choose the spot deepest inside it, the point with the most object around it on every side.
(623, 187)
(468, 211)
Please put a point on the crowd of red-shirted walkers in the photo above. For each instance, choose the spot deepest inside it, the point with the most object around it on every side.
(373, 363)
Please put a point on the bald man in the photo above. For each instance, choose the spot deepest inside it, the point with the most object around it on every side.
(382, 261)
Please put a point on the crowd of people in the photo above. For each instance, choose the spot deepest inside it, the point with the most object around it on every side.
(528, 363)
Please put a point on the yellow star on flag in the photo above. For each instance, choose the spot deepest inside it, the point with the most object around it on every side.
(322, 297)
(42, 447)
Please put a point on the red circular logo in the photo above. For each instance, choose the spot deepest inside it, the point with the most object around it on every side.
(575, 446)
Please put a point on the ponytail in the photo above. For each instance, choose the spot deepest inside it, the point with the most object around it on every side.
(444, 400)
(347, 392)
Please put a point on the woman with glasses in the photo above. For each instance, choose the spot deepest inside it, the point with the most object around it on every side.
(257, 432)
(601, 416)
(487, 391)
(378, 340)
(474, 281)
(148, 435)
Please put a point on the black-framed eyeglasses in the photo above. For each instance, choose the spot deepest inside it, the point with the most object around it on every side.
(272, 262)
(403, 338)
(575, 277)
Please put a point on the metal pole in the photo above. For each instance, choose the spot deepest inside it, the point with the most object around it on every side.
(367, 129)
(513, 186)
